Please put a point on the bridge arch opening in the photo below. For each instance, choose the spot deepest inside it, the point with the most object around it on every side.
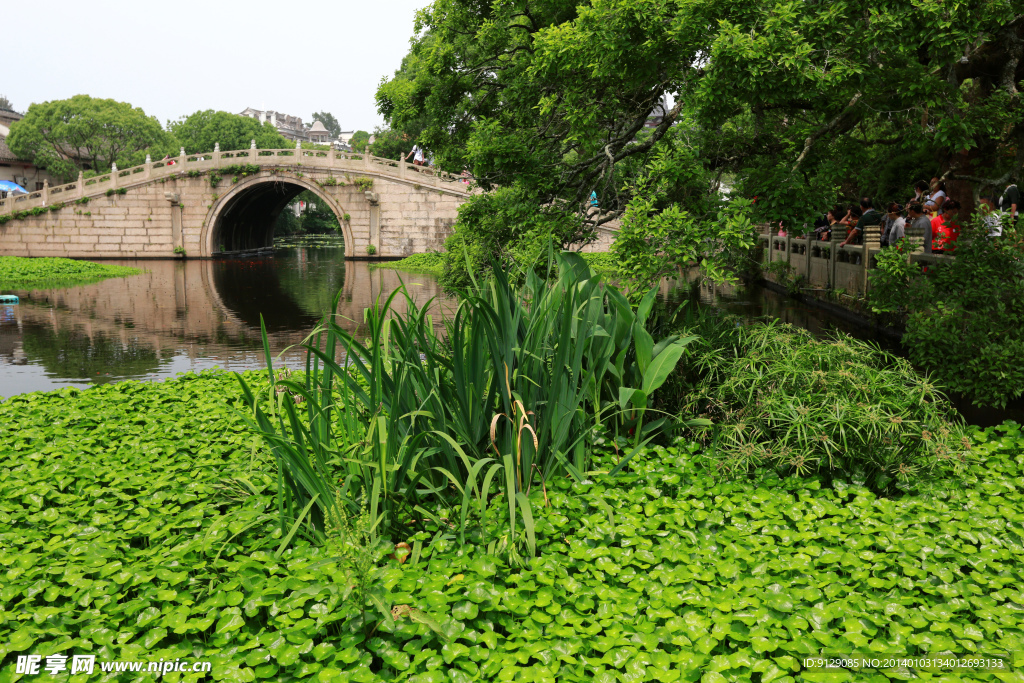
(244, 218)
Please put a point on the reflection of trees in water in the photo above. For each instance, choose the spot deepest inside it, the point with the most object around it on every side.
(73, 354)
(313, 284)
(252, 288)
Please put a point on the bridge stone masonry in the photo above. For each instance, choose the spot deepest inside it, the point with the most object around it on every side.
(207, 205)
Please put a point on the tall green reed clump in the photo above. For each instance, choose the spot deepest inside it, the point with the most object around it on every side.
(422, 427)
(835, 408)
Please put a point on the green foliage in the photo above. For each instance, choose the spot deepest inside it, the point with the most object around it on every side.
(360, 139)
(330, 123)
(371, 250)
(418, 413)
(430, 263)
(654, 244)
(363, 183)
(65, 136)
(963, 317)
(148, 503)
(839, 408)
(200, 132)
(242, 170)
(389, 143)
(17, 272)
(603, 263)
(179, 250)
(119, 190)
(556, 99)
(505, 225)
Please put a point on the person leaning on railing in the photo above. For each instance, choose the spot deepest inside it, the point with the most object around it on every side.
(893, 226)
(990, 217)
(945, 228)
(920, 225)
(868, 217)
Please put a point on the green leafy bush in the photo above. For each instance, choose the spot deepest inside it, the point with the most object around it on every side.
(504, 225)
(839, 408)
(963, 317)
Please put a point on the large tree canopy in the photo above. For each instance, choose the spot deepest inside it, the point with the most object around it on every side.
(798, 99)
(202, 130)
(83, 133)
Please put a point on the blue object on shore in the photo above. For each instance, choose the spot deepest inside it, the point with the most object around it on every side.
(8, 298)
(8, 186)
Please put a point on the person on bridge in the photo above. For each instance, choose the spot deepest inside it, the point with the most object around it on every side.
(920, 225)
(868, 217)
(418, 157)
(893, 226)
(1009, 203)
(945, 228)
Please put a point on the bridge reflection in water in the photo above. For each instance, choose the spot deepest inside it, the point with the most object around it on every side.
(190, 315)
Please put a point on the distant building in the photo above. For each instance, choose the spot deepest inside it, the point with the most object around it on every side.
(19, 171)
(318, 134)
(288, 126)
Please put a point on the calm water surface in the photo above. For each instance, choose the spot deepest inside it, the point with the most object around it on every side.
(183, 316)
(186, 316)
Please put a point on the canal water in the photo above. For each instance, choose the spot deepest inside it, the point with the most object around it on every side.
(180, 316)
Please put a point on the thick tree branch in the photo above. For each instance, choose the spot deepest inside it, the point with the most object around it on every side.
(824, 130)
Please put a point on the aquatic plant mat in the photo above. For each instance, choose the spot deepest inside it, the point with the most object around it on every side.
(138, 522)
(17, 273)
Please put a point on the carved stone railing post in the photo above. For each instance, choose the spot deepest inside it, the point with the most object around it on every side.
(81, 184)
(181, 159)
(833, 252)
(46, 192)
(149, 167)
(113, 175)
(216, 154)
(252, 151)
(401, 167)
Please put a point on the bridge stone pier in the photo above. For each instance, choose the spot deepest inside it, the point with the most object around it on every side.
(223, 202)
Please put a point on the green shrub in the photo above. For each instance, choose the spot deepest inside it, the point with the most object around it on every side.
(371, 250)
(364, 184)
(838, 408)
(963, 319)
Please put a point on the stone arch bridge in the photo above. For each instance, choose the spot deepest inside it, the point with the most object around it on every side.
(227, 202)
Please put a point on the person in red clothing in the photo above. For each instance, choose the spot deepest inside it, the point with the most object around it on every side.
(945, 228)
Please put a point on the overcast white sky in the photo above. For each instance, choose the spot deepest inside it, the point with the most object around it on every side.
(175, 58)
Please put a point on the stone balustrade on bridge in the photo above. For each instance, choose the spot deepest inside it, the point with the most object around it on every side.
(827, 265)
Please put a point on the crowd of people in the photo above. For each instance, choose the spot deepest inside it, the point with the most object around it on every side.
(931, 217)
